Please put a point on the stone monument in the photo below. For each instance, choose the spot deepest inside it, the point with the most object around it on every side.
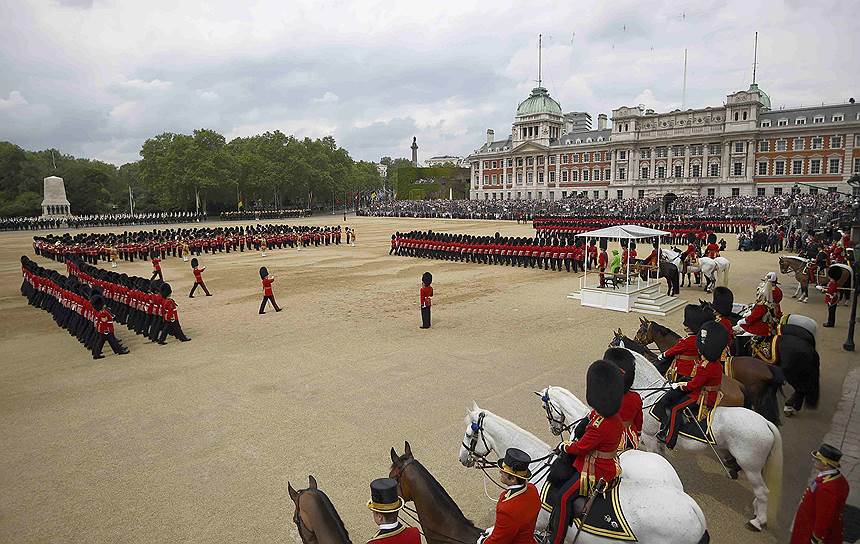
(55, 203)
(414, 151)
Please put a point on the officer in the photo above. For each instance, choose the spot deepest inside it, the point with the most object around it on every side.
(518, 506)
(819, 516)
(678, 361)
(426, 296)
(831, 295)
(385, 503)
(631, 404)
(268, 295)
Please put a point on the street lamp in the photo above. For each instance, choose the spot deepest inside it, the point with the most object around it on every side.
(854, 182)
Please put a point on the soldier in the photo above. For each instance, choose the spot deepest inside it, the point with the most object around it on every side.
(393, 243)
(268, 296)
(602, 262)
(723, 304)
(776, 293)
(711, 341)
(831, 296)
(385, 503)
(678, 361)
(631, 403)
(156, 267)
(596, 452)
(759, 321)
(104, 328)
(518, 506)
(171, 318)
(712, 250)
(426, 296)
(819, 516)
(198, 278)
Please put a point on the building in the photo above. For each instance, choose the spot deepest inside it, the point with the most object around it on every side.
(382, 169)
(577, 121)
(740, 148)
(439, 160)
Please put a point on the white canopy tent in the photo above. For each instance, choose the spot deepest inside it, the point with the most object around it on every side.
(625, 232)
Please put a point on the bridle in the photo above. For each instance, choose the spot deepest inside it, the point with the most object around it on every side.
(556, 425)
(297, 518)
(475, 458)
(648, 334)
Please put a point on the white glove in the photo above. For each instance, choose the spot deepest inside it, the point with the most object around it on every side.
(738, 330)
(820, 287)
(677, 385)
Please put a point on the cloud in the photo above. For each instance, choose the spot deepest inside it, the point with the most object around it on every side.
(328, 98)
(15, 100)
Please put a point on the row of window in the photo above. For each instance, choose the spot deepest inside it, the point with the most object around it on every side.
(551, 195)
(816, 120)
(566, 175)
(619, 194)
(780, 167)
(799, 144)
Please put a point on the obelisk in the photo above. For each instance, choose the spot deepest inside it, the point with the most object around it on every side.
(414, 152)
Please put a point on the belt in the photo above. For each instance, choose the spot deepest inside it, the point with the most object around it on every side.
(604, 454)
(627, 424)
(711, 388)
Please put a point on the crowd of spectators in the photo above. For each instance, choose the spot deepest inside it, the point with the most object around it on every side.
(246, 215)
(99, 220)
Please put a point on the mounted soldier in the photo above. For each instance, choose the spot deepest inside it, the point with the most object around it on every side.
(631, 403)
(385, 503)
(760, 321)
(518, 506)
(723, 305)
(677, 362)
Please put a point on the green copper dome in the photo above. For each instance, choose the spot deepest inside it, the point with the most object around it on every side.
(765, 99)
(538, 102)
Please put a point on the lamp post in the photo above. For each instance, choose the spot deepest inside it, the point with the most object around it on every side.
(854, 181)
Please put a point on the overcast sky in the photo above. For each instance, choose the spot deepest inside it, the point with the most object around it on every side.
(97, 77)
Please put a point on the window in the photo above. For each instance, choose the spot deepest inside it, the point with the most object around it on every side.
(622, 155)
(857, 165)
(552, 195)
(815, 166)
(587, 157)
(739, 147)
(494, 164)
(519, 178)
(777, 191)
(835, 142)
(595, 175)
(679, 170)
(737, 168)
(677, 151)
(714, 149)
(596, 195)
(798, 144)
(540, 160)
(529, 195)
(797, 167)
(857, 138)
(813, 190)
(519, 161)
(640, 193)
(736, 191)
(662, 152)
(759, 191)
(574, 175)
(552, 159)
(697, 170)
(552, 177)
(563, 176)
(762, 169)
(745, 116)
(831, 189)
(714, 170)
(540, 195)
(519, 195)
(818, 119)
(712, 192)
(779, 168)
(646, 153)
(661, 172)
(645, 172)
(575, 157)
(622, 173)
(781, 145)
(510, 163)
(619, 194)
(838, 118)
(486, 196)
(607, 174)
(818, 142)
(486, 179)
(494, 196)
(833, 166)
(564, 194)
(764, 146)
(494, 179)
(508, 178)
(765, 124)
(800, 121)
(565, 159)
(530, 177)
(540, 177)
(530, 161)
(696, 150)
(585, 175)
(782, 123)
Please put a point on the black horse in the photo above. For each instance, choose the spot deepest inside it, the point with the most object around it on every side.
(666, 270)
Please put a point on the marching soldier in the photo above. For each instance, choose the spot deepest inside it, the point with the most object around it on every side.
(819, 516)
(156, 267)
(426, 296)
(385, 503)
(631, 403)
(518, 506)
(104, 328)
(596, 452)
(711, 341)
(268, 296)
(171, 318)
(198, 278)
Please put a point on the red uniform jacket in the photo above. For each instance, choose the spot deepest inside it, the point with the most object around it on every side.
(267, 286)
(198, 275)
(831, 295)
(602, 259)
(686, 355)
(706, 374)
(754, 324)
(156, 264)
(516, 516)
(725, 322)
(398, 535)
(426, 293)
(820, 512)
(169, 309)
(631, 419)
(105, 322)
(602, 436)
(712, 251)
(652, 257)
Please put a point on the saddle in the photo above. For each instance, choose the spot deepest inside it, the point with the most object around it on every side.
(605, 519)
(765, 349)
(692, 429)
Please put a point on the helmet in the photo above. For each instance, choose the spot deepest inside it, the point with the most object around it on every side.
(604, 388)
(712, 340)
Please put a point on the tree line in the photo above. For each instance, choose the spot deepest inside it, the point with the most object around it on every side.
(181, 172)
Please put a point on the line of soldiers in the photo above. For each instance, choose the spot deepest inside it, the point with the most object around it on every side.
(680, 231)
(99, 220)
(245, 215)
(128, 246)
(75, 306)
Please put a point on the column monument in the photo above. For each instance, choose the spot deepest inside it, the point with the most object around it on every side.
(414, 152)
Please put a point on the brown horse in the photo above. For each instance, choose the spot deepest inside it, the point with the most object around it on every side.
(799, 266)
(441, 519)
(315, 517)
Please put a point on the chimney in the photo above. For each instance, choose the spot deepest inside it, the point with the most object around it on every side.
(490, 135)
(601, 121)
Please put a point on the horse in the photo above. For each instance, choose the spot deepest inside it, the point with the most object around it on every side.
(789, 323)
(315, 517)
(753, 442)
(798, 266)
(674, 257)
(664, 270)
(761, 382)
(655, 511)
(715, 272)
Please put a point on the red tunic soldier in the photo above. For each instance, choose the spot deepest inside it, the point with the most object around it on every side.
(426, 296)
(723, 305)
(831, 296)
(518, 506)
(712, 250)
(198, 278)
(268, 295)
(819, 516)
(171, 317)
(385, 503)
(104, 328)
(678, 361)
(602, 263)
(156, 267)
(758, 322)
(631, 403)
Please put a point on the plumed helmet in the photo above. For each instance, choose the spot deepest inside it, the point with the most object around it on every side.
(834, 272)
(724, 300)
(712, 340)
(694, 317)
(604, 387)
(166, 290)
(263, 272)
(98, 303)
(194, 262)
(712, 238)
(427, 278)
(623, 359)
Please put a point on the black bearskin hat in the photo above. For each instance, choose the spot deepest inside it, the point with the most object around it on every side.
(194, 262)
(724, 300)
(834, 272)
(712, 238)
(427, 278)
(712, 340)
(691, 237)
(694, 317)
(623, 359)
(153, 254)
(263, 272)
(604, 387)
(604, 243)
(166, 290)
(98, 303)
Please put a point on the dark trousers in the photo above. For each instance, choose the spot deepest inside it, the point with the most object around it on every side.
(831, 316)
(425, 317)
(673, 403)
(112, 341)
(562, 512)
(202, 286)
(174, 329)
(156, 274)
(267, 299)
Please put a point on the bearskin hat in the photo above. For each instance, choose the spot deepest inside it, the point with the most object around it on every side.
(712, 238)
(834, 272)
(694, 317)
(712, 340)
(691, 237)
(427, 278)
(263, 272)
(98, 303)
(194, 262)
(153, 254)
(604, 243)
(166, 290)
(604, 387)
(632, 244)
(724, 300)
(623, 359)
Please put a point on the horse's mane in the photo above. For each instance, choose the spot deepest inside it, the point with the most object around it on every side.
(795, 258)
(332, 512)
(665, 330)
(439, 496)
(633, 345)
(472, 416)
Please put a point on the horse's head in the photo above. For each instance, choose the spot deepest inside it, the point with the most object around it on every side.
(301, 517)
(554, 415)
(783, 265)
(398, 472)
(617, 338)
(645, 333)
(476, 444)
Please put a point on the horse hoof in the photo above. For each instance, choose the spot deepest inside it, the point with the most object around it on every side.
(788, 411)
(754, 525)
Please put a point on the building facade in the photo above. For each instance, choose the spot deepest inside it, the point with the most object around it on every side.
(740, 148)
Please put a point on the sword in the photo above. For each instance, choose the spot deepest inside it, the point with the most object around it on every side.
(599, 487)
(705, 436)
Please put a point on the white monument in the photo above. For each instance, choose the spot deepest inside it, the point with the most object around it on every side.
(55, 203)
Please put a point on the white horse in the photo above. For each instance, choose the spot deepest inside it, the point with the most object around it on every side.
(674, 257)
(793, 319)
(754, 442)
(563, 409)
(715, 272)
(654, 512)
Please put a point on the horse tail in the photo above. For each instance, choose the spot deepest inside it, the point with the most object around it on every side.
(811, 396)
(767, 404)
(726, 274)
(706, 538)
(773, 473)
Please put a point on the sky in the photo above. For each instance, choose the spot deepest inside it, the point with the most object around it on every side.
(96, 78)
